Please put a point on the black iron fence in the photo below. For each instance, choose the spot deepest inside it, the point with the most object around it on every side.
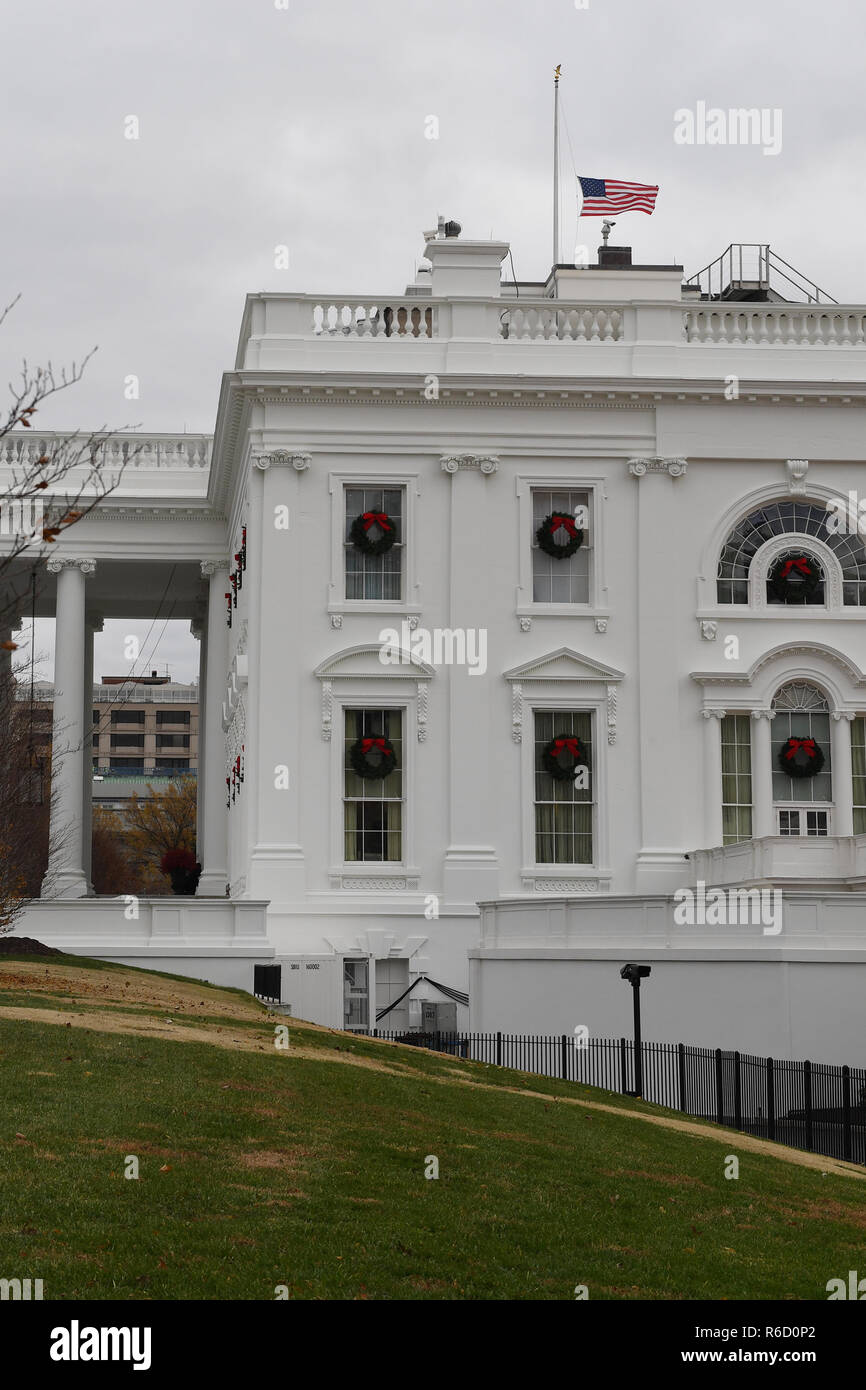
(807, 1105)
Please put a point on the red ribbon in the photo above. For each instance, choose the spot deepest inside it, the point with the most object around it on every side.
(795, 744)
(381, 517)
(570, 743)
(801, 565)
(368, 743)
(566, 521)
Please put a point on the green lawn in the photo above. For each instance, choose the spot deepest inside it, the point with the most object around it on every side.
(268, 1168)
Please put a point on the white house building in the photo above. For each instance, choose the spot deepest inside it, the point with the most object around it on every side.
(577, 567)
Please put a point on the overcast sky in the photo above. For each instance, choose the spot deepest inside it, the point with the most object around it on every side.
(262, 125)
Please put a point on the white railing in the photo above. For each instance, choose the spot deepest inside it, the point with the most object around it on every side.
(548, 320)
(369, 318)
(775, 325)
(22, 448)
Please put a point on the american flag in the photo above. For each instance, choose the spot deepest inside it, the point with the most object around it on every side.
(602, 196)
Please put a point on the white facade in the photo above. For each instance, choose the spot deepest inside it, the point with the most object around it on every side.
(473, 408)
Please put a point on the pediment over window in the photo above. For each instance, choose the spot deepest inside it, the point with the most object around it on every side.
(564, 665)
(363, 663)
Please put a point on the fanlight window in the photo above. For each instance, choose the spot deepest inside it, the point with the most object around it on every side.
(779, 519)
(800, 695)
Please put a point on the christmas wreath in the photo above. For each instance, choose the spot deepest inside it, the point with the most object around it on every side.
(373, 756)
(558, 535)
(562, 756)
(373, 533)
(801, 757)
(794, 577)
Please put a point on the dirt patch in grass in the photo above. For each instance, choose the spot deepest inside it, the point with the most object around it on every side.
(669, 1179)
(125, 987)
(274, 1158)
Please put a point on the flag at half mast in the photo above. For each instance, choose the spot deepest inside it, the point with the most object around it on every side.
(602, 196)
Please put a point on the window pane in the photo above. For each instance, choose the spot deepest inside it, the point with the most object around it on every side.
(373, 810)
(374, 577)
(563, 811)
(560, 581)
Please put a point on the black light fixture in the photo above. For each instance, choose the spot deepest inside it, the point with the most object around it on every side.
(634, 974)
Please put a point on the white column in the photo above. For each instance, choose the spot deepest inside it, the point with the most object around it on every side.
(66, 876)
(763, 821)
(198, 628)
(213, 850)
(843, 791)
(92, 624)
(471, 867)
(661, 508)
(713, 826)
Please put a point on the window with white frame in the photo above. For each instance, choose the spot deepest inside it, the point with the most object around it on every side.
(797, 519)
(564, 811)
(858, 773)
(561, 580)
(802, 713)
(373, 807)
(736, 735)
(373, 577)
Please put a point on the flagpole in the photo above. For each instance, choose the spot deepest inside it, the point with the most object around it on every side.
(556, 164)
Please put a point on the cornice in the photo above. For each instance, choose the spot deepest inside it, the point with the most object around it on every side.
(166, 511)
(542, 392)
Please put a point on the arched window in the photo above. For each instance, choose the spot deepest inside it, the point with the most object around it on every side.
(778, 519)
(801, 712)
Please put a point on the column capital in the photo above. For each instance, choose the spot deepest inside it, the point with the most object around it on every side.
(455, 463)
(300, 460)
(763, 713)
(714, 714)
(212, 567)
(65, 562)
(674, 467)
(845, 714)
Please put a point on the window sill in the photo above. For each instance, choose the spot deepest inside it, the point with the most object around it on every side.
(375, 605)
(560, 610)
(733, 612)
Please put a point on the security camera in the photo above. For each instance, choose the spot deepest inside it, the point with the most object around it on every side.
(634, 972)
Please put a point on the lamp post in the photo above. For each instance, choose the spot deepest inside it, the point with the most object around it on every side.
(634, 974)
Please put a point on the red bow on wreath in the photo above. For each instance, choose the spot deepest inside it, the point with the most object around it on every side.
(559, 744)
(795, 744)
(368, 743)
(801, 565)
(381, 518)
(565, 521)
